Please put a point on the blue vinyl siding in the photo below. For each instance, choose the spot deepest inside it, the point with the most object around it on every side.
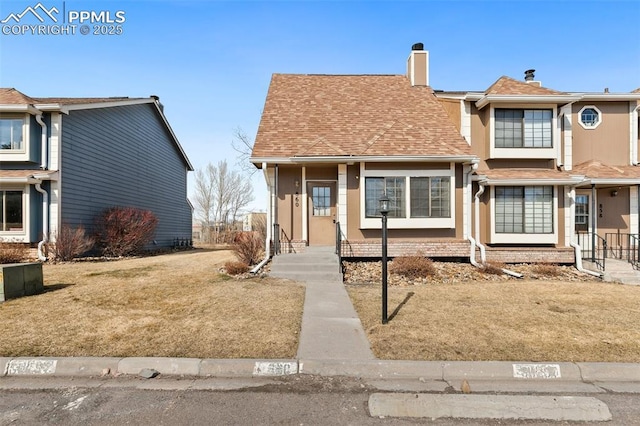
(35, 140)
(123, 156)
(34, 216)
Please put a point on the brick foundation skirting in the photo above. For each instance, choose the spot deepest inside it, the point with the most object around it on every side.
(293, 246)
(531, 255)
(458, 248)
(373, 248)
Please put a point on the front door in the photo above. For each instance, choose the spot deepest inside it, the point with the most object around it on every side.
(322, 213)
(583, 219)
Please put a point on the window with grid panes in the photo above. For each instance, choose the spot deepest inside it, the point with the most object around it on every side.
(524, 210)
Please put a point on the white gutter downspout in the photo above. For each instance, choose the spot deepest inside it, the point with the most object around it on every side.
(45, 221)
(634, 136)
(483, 255)
(472, 254)
(579, 267)
(267, 243)
(44, 143)
(45, 196)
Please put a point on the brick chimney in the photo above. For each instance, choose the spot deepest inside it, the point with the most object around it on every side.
(418, 66)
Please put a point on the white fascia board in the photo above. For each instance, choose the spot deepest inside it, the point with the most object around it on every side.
(529, 99)
(610, 97)
(531, 182)
(19, 108)
(630, 181)
(367, 159)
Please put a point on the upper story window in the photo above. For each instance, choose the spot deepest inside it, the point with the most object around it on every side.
(523, 128)
(12, 134)
(589, 117)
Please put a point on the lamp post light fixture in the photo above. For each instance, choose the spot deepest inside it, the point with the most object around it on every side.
(384, 211)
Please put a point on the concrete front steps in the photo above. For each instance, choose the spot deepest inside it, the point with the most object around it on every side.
(620, 271)
(314, 264)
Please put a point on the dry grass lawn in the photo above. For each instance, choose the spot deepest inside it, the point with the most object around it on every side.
(174, 305)
(504, 321)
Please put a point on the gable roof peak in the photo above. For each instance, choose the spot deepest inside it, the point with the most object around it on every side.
(11, 96)
(506, 85)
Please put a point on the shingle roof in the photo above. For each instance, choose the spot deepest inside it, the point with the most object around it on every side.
(365, 115)
(510, 86)
(533, 174)
(24, 173)
(596, 170)
(11, 96)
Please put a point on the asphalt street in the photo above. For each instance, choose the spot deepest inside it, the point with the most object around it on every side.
(293, 400)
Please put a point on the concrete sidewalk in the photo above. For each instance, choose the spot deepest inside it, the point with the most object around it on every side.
(331, 328)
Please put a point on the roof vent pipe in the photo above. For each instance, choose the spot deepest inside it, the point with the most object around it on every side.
(529, 75)
(417, 46)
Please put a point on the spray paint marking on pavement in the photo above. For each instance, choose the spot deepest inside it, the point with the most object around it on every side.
(536, 371)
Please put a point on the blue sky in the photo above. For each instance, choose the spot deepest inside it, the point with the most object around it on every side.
(211, 61)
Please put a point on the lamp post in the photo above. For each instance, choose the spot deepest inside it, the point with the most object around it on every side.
(384, 211)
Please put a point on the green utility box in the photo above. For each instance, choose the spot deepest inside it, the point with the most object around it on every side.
(20, 279)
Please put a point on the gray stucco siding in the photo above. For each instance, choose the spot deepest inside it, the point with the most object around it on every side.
(123, 156)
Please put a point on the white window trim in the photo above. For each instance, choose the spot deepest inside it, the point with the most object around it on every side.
(408, 222)
(502, 238)
(20, 236)
(546, 153)
(18, 154)
(585, 126)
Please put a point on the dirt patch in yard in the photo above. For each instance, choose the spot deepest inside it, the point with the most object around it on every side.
(173, 305)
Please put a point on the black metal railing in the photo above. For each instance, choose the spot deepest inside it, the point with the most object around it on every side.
(593, 248)
(339, 244)
(635, 251)
(623, 246)
(276, 239)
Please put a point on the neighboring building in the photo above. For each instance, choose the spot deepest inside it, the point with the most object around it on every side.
(64, 160)
(255, 221)
(508, 174)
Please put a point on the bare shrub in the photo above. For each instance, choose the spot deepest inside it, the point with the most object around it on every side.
(235, 267)
(13, 252)
(412, 267)
(546, 269)
(248, 247)
(493, 268)
(71, 243)
(124, 231)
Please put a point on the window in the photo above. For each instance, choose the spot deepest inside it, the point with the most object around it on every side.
(11, 211)
(11, 134)
(321, 199)
(430, 197)
(524, 210)
(589, 117)
(528, 128)
(394, 187)
(582, 210)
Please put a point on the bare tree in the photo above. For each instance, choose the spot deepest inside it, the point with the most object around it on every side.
(220, 195)
(243, 145)
(241, 196)
(204, 200)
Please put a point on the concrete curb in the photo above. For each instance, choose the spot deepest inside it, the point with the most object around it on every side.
(452, 372)
(86, 367)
